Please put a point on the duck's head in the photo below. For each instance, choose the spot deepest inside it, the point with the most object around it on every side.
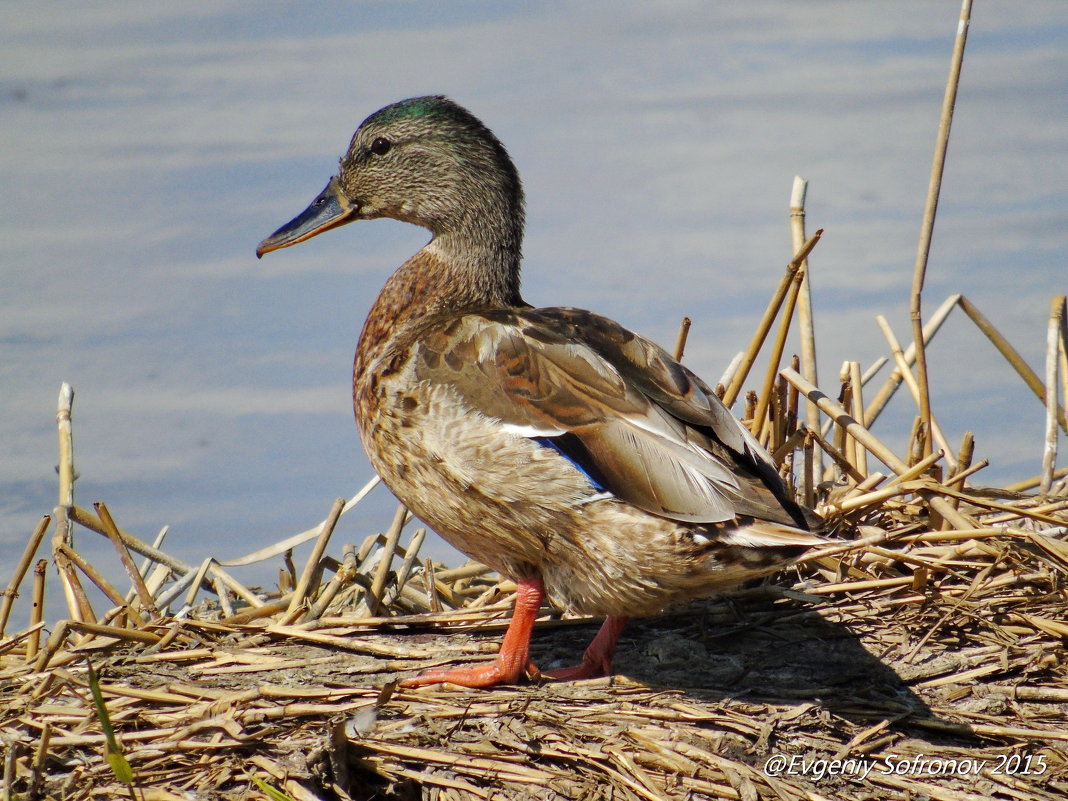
(427, 161)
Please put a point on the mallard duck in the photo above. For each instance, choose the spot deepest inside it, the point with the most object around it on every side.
(551, 444)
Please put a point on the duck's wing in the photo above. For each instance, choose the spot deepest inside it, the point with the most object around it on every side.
(614, 403)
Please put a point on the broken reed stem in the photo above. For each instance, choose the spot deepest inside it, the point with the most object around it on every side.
(860, 455)
(931, 207)
(806, 321)
(344, 575)
(914, 388)
(870, 482)
(411, 554)
(761, 422)
(965, 455)
(1049, 452)
(118, 632)
(364, 554)
(64, 413)
(893, 381)
(77, 601)
(808, 479)
(872, 498)
(12, 591)
(311, 567)
(64, 531)
(680, 341)
(750, 405)
(918, 469)
(40, 758)
(1012, 356)
(158, 576)
(389, 550)
(52, 644)
(251, 613)
(225, 606)
(791, 442)
(102, 583)
(198, 582)
(961, 475)
(40, 574)
(841, 437)
(112, 532)
(735, 388)
(1062, 358)
(792, 397)
(469, 570)
(82, 609)
(915, 442)
(728, 374)
(431, 584)
(964, 461)
(942, 506)
(837, 456)
(776, 422)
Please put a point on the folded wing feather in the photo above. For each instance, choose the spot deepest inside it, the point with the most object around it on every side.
(661, 439)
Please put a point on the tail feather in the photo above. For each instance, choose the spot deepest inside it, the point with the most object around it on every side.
(764, 534)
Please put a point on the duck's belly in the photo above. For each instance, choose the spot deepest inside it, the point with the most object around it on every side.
(524, 510)
(498, 497)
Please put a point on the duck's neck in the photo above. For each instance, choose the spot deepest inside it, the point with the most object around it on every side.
(460, 270)
(474, 270)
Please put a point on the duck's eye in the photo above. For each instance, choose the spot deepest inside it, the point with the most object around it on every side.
(380, 146)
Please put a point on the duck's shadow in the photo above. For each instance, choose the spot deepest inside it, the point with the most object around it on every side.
(757, 678)
(751, 652)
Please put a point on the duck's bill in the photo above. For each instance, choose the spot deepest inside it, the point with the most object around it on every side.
(329, 210)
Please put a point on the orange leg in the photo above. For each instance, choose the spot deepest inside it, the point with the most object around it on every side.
(514, 657)
(597, 661)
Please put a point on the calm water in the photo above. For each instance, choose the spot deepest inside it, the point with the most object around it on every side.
(146, 149)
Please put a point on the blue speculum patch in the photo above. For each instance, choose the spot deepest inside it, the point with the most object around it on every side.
(569, 446)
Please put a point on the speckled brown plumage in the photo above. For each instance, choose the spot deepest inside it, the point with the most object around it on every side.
(553, 444)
